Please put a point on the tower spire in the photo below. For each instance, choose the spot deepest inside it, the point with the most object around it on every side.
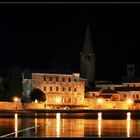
(87, 47)
(87, 61)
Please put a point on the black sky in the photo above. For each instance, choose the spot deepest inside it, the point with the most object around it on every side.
(50, 36)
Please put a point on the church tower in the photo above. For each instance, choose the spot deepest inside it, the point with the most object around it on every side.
(87, 61)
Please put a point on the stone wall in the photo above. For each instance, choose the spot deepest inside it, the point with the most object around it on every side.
(93, 104)
(11, 106)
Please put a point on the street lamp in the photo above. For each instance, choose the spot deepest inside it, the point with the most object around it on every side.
(129, 101)
(99, 101)
(16, 99)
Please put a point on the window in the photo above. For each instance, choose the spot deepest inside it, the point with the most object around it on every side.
(127, 85)
(50, 88)
(124, 95)
(50, 78)
(44, 88)
(69, 88)
(44, 78)
(63, 79)
(75, 89)
(56, 79)
(69, 79)
(137, 96)
(63, 89)
(57, 88)
(133, 95)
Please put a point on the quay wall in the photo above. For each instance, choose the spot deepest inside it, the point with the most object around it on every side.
(11, 106)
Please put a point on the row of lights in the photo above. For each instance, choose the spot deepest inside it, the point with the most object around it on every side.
(129, 101)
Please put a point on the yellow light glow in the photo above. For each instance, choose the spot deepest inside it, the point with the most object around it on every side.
(58, 124)
(58, 100)
(35, 125)
(99, 124)
(128, 123)
(129, 101)
(99, 100)
(15, 99)
(16, 125)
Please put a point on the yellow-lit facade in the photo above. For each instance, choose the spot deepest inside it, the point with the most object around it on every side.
(60, 89)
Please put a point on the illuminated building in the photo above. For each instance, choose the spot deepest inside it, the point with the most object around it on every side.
(60, 89)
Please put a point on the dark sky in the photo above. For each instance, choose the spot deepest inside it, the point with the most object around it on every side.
(50, 36)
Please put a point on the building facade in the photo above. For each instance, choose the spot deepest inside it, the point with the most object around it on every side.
(61, 89)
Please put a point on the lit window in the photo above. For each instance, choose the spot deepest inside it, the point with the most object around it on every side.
(50, 88)
(57, 88)
(44, 88)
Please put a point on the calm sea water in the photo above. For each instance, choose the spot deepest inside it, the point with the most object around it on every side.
(59, 126)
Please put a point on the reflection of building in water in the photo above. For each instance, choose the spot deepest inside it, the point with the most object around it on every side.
(58, 127)
(26, 123)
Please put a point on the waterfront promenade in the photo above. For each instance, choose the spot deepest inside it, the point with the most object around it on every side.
(106, 114)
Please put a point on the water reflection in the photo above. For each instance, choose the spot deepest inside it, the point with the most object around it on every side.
(128, 123)
(99, 124)
(58, 124)
(35, 125)
(16, 125)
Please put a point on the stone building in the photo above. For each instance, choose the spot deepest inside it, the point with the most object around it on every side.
(60, 89)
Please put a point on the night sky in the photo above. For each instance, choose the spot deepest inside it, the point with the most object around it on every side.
(50, 36)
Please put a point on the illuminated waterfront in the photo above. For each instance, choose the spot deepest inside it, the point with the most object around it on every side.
(58, 126)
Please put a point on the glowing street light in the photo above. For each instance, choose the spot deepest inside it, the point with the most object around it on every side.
(129, 101)
(99, 100)
(58, 100)
(15, 99)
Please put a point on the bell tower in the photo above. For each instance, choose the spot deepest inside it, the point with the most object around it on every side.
(87, 61)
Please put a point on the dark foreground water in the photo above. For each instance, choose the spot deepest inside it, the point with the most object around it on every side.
(58, 126)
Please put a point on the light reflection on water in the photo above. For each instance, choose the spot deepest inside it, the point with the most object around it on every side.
(16, 125)
(70, 127)
(58, 124)
(99, 124)
(128, 123)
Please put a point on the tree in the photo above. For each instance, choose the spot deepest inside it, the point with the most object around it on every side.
(37, 94)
